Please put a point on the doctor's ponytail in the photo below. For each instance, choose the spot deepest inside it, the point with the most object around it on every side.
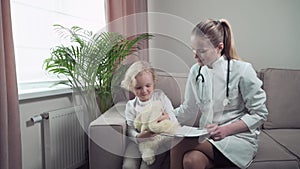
(228, 40)
(218, 31)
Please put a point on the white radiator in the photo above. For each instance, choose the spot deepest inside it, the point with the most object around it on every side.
(64, 140)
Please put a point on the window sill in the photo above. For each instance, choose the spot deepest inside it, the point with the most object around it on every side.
(41, 89)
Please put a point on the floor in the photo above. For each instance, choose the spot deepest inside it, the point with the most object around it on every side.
(85, 166)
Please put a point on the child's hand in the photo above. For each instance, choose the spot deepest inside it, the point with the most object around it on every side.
(144, 135)
(164, 116)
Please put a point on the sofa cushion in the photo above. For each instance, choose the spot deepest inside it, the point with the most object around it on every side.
(271, 155)
(173, 85)
(288, 138)
(282, 87)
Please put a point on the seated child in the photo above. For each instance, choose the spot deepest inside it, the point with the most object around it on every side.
(140, 79)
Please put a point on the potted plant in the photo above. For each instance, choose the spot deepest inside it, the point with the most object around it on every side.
(90, 61)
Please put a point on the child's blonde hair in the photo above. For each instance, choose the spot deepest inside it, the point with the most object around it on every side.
(135, 69)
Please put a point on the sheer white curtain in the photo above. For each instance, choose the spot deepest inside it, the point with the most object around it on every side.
(128, 18)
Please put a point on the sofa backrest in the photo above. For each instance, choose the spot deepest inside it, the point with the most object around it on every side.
(282, 88)
(173, 85)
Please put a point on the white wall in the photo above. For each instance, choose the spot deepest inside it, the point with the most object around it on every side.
(266, 32)
(31, 134)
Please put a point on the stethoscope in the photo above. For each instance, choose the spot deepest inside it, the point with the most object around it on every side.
(226, 100)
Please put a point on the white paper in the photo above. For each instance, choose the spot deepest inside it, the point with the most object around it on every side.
(188, 131)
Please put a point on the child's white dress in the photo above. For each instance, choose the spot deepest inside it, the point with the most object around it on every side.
(133, 107)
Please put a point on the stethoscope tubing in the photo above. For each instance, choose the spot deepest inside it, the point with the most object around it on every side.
(227, 77)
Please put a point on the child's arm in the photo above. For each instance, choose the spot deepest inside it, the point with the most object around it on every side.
(130, 116)
(168, 112)
(144, 135)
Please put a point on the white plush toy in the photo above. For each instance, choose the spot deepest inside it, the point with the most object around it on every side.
(147, 120)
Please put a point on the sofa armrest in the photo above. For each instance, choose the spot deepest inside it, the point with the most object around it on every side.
(107, 139)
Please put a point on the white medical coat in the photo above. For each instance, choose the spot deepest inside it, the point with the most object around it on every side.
(246, 102)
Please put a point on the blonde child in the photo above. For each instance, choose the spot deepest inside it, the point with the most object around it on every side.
(140, 80)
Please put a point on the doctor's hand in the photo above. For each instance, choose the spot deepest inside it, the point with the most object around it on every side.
(217, 132)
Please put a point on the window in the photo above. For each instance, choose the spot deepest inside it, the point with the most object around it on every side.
(34, 34)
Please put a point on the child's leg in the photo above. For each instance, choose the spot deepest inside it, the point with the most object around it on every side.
(162, 158)
(132, 157)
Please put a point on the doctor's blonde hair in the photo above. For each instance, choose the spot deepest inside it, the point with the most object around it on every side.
(218, 31)
(135, 69)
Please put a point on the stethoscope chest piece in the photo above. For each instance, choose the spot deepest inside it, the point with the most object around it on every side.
(226, 102)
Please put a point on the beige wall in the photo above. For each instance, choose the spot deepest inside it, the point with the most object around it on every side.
(266, 32)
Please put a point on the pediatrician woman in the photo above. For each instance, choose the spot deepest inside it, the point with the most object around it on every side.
(228, 95)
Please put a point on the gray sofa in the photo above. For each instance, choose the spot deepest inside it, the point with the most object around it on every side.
(278, 142)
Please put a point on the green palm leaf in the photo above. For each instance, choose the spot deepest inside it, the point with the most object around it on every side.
(90, 60)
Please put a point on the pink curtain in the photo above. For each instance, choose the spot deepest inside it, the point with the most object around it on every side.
(129, 18)
(10, 133)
